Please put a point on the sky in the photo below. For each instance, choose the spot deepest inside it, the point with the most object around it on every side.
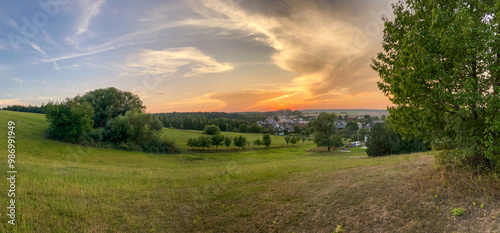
(195, 55)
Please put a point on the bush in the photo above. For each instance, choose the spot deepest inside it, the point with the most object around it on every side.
(211, 129)
(69, 120)
(266, 140)
(240, 141)
(382, 140)
(257, 142)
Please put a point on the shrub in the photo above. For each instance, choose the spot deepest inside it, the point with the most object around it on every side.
(240, 141)
(69, 120)
(257, 142)
(458, 211)
(382, 140)
(211, 129)
(266, 140)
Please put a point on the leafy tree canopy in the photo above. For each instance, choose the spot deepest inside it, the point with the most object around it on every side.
(109, 103)
(440, 66)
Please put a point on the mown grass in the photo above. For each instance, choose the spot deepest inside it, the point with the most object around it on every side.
(69, 188)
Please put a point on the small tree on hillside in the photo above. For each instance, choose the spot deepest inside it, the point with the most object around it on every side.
(192, 142)
(266, 140)
(257, 142)
(303, 138)
(211, 129)
(324, 131)
(217, 140)
(287, 139)
(240, 141)
(228, 141)
(204, 141)
(293, 140)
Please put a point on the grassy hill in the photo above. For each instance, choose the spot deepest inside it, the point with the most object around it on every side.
(68, 188)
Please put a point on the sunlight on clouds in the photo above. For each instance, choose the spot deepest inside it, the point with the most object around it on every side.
(183, 62)
(319, 41)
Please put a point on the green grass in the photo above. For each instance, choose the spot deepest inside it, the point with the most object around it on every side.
(180, 137)
(69, 188)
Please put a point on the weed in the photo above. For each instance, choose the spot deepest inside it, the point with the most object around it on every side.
(458, 211)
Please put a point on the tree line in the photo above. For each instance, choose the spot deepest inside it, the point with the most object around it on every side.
(23, 108)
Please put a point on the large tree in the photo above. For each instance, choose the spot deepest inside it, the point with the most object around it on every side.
(109, 103)
(324, 130)
(440, 67)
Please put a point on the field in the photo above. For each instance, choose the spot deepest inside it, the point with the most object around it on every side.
(181, 136)
(69, 188)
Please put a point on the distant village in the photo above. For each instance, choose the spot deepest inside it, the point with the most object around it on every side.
(283, 124)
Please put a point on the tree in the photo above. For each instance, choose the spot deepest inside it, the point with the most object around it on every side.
(287, 139)
(240, 141)
(382, 140)
(257, 142)
(69, 120)
(109, 103)
(440, 67)
(303, 138)
(243, 128)
(362, 133)
(192, 142)
(227, 141)
(217, 140)
(211, 129)
(254, 128)
(351, 129)
(204, 141)
(293, 140)
(383, 117)
(324, 130)
(297, 129)
(266, 140)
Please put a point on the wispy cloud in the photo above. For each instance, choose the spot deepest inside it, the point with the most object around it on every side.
(17, 80)
(36, 47)
(183, 62)
(90, 9)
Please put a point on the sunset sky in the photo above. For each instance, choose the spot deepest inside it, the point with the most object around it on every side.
(195, 55)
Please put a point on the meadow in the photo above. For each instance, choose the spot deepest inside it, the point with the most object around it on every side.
(69, 188)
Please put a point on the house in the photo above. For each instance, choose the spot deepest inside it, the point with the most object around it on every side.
(340, 124)
(370, 125)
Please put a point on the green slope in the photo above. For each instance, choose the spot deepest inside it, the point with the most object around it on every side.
(68, 188)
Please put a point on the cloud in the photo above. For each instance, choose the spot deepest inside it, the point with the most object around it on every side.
(9, 102)
(327, 43)
(183, 62)
(36, 47)
(247, 99)
(90, 9)
(17, 80)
